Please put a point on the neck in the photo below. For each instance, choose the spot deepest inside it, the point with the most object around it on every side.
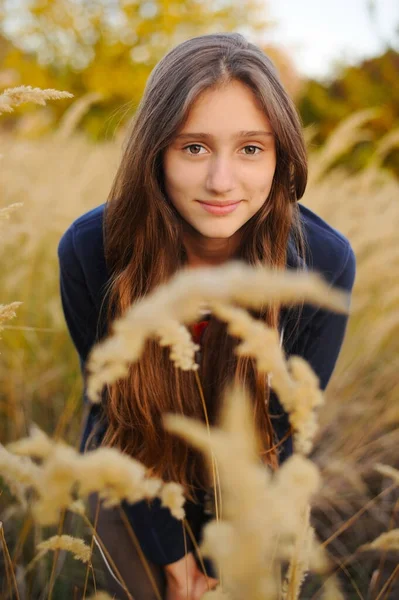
(202, 251)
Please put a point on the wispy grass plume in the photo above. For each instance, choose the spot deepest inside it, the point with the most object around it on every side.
(12, 97)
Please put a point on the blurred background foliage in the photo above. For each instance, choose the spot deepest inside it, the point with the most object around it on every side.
(103, 51)
(373, 83)
(110, 47)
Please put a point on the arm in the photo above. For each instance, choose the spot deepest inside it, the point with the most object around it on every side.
(323, 334)
(160, 534)
(77, 303)
(319, 342)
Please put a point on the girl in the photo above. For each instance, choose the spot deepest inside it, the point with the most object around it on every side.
(213, 169)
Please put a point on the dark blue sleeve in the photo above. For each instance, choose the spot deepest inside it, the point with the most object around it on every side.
(78, 306)
(321, 339)
(159, 533)
(318, 341)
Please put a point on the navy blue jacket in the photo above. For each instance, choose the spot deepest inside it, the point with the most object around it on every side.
(83, 275)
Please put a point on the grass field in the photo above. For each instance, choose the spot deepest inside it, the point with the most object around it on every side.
(59, 177)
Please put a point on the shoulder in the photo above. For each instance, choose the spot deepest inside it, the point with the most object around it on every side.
(329, 251)
(81, 249)
(82, 233)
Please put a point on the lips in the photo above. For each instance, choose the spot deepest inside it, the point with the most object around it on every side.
(226, 203)
(220, 209)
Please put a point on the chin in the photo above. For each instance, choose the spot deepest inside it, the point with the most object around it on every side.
(217, 234)
(220, 228)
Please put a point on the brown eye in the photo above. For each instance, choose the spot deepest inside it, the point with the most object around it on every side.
(255, 148)
(193, 146)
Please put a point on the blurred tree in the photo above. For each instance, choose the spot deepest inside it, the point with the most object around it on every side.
(110, 47)
(371, 84)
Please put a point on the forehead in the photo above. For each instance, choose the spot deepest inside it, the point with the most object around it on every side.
(232, 106)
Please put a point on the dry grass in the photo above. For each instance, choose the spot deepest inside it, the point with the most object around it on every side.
(354, 502)
(12, 97)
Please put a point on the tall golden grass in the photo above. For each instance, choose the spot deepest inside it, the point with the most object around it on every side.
(347, 467)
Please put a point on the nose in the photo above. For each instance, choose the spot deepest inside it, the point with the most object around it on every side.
(220, 177)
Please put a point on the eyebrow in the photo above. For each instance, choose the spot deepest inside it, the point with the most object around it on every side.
(240, 134)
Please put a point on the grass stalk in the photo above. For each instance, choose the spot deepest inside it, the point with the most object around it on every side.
(108, 556)
(55, 556)
(89, 564)
(9, 565)
(216, 487)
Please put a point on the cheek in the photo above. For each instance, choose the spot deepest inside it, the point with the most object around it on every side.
(180, 181)
(171, 175)
(260, 186)
(175, 187)
(262, 182)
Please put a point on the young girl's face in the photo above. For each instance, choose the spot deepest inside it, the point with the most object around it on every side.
(225, 152)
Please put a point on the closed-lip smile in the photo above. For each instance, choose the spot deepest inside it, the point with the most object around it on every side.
(220, 208)
(225, 203)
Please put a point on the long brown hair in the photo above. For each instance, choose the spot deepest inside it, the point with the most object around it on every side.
(144, 248)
